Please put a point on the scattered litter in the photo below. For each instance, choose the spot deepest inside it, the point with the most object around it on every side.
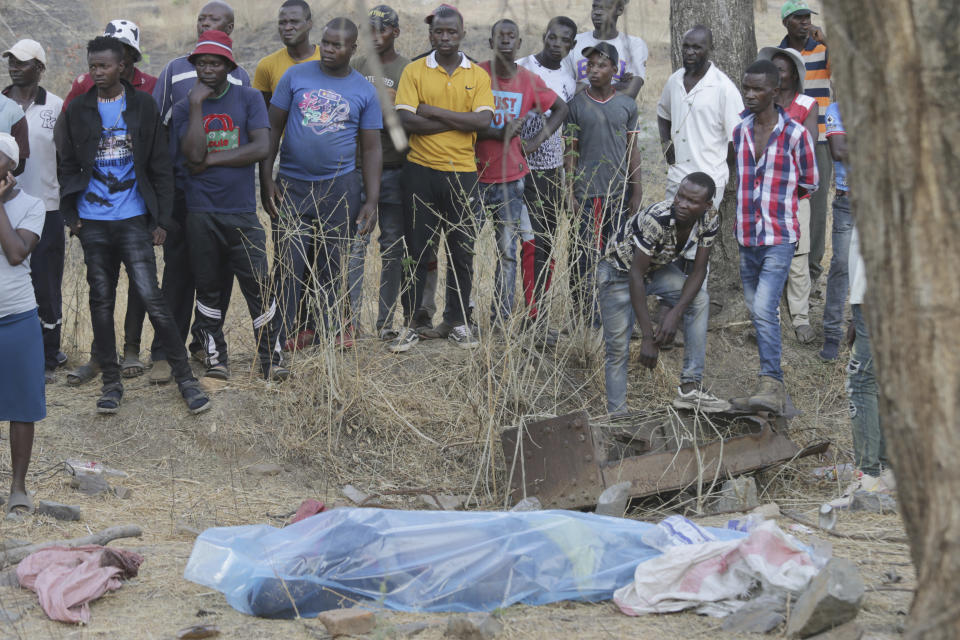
(767, 511)
(473, 627)
(59, 511)
(442, 501)
(737, 494)
(76, 467)
(688, 575)
(307, 508)
(800, 528)
(613, 500)
(832, 599)
(266, 469)
(530, 503)
(836, 472)
(90, 484)
(348, 622)
(354, 495)
(454, 561)
(198, 631)
(66, 579)
(828, 517)
(873, 502)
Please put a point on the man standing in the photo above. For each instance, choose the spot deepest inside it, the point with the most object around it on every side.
(775, 166)
(604, 168)
(501, 162)
(647, 258)
(809, 41)
(384, 30)
(26, 62)
(321, 109)
(443, 101)
(632, 51)
(696, 115)
(294, 24)
(223, 132)
(543, 192)
(116, 192)
(173, 85)
(127, 33)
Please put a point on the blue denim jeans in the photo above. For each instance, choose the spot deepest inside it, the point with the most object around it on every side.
(503, 204)
(616, 312)
(869, 445)
(838, 279)
(763, 272)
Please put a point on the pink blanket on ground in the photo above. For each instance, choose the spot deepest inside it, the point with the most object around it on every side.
(67, 579)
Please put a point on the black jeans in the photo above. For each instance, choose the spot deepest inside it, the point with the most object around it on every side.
(46, 272)
(436, 201)
(543, 195)
(223, 245)
(107, 245)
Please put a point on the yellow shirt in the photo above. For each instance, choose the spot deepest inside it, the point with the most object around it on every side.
(467, 90)
(272, 67)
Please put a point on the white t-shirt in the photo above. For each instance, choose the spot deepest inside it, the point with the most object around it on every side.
(16, 289)
(632, 51)
(857, 269)
(550, 153)
(39, 177)
(701, 123)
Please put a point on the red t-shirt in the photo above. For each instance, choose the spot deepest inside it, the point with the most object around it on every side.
(83, 83)
(514, 98)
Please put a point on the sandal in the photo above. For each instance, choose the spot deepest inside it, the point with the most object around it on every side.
(19, 505)
(110, 397)
(130, 366)
(197, 401)
(83, 373)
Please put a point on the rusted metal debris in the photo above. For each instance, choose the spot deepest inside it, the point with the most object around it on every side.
(568, 461)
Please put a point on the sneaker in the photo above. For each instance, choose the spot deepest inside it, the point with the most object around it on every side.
(303, 340)
(404, 340)
(769, 396)
(388, 335)
(699, 400)
(465, 336)
(193, 396)
(830, 351)
(277, 373)
(345, 339)
(427, 332)
(218, 371)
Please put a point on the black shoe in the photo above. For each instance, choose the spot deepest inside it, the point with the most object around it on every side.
(196, 400)
(110, 397)
(61, 359)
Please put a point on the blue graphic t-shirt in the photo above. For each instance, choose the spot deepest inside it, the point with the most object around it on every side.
(835, 128)
(227, 121)
(112, 193)
(324, 118)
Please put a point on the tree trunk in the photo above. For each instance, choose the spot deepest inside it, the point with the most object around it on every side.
(896, 69)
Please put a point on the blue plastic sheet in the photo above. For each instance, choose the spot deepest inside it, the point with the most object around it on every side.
(420, 560)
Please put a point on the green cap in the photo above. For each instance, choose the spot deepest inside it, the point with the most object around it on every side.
(791, 7)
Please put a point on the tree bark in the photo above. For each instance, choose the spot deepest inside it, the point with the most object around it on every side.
(896, 70)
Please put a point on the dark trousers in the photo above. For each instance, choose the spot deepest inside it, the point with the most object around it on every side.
(311, 237)
(46, 271)
(225, 245)
(597, 216)
(107, 245)
(435, 202)
(543, 195)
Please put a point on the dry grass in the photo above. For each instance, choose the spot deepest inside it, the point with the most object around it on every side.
(429, 418)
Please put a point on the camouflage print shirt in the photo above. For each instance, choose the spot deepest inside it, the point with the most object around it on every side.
(654, 232)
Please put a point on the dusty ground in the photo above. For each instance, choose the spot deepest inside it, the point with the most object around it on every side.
(364, 417)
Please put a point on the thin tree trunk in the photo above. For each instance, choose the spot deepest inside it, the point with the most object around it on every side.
(896, 71)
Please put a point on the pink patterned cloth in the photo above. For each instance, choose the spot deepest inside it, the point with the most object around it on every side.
(67, 579)
(309, 507)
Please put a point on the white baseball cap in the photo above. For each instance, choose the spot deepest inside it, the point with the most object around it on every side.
(9, 147)
(126, 32)
(27, 49)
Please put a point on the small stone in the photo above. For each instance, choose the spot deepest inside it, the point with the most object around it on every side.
(124, 493)
(91, 485)
(266, 469)
(428, 501)
(354, 495)
(752, 620)
(873, 502)
(443, 501)
(183, 527)
(58, 511)
(738, 494)
(849, 631)
(530, 503)
(199, 631)
(473, 627)
(768, 511)
(833, 598)
(613, 500)
(407, 629)
(348, 622)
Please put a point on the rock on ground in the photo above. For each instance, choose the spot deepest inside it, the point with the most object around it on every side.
(873, 501)
(348, 622)
(58, 511)
(473, 627)
(613, 500)
(833, 598)
(738, 494)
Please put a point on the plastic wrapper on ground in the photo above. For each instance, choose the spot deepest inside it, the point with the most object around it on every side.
(421, 560)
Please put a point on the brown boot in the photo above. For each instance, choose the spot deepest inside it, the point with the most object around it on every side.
(770, 396)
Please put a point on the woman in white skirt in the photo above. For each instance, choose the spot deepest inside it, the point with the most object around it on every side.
(22, 399)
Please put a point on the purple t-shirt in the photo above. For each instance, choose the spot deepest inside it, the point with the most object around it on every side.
(228, 121)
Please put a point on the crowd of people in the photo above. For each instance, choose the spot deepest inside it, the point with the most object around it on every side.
(425, 150)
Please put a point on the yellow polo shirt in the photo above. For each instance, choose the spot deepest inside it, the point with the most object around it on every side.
(272, 67)
(467, 90)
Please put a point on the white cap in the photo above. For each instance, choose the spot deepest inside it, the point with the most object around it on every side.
(27, 50)
(126, 32)
(9, 147)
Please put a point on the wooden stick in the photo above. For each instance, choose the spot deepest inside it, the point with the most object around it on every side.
(13, 556)
(848, 536)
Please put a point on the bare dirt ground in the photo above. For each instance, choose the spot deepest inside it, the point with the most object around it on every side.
(429, 419)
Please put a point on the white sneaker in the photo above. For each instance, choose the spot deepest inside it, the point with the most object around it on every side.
(464, 337)
(404, 340)
(699, 400)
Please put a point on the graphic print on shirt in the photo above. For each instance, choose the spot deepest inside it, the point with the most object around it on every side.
(582, 70)
(48, 118)
(114, 157)
(507, 107)
(324, 111)
(222, 135)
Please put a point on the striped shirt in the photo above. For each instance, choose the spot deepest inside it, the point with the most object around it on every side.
(816, 82)
(768, 188)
